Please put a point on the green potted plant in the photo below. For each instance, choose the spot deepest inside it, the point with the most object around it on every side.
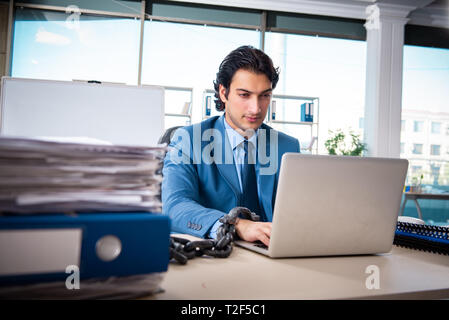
(346, 144)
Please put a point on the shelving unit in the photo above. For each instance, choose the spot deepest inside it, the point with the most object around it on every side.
(288, 109)
(179, 101)
(292, 112)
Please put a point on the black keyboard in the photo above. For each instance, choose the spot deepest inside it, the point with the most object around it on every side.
(260, 245)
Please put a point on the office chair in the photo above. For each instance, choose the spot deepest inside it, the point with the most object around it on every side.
(168, 134)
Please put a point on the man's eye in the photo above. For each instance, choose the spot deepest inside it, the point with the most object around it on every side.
(244, 95)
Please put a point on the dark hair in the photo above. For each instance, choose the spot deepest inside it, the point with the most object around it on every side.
(247, 58)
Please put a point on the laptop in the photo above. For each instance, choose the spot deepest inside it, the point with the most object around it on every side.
(334, 205)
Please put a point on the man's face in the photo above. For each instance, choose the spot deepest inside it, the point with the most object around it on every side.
(248, 100)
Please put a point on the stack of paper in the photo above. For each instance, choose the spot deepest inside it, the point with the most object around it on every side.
(47, 176)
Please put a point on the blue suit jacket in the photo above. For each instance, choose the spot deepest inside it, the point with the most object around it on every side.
(200, 182)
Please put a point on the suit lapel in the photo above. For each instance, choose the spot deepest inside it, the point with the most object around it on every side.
(266, 181)
(226, 167)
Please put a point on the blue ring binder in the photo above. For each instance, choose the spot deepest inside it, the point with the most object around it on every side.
(144, 237)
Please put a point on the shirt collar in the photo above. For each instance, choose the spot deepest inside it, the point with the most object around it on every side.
(236, 138)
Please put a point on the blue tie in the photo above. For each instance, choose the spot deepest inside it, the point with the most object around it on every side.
(250, 198)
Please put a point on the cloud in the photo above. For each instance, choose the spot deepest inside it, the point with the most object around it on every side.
(43, 36)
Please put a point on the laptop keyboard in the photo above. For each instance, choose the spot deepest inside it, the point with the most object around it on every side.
(260, 245)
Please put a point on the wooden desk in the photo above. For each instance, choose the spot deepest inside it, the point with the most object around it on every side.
(404, 274)
(418, 195)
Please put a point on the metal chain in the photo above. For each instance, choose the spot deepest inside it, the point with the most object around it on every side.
(181, 250)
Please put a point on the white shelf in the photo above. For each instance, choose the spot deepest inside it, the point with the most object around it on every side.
(182, 108)
(178, 115)
(293, 122)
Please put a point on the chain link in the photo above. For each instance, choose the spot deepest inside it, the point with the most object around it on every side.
(181, 249)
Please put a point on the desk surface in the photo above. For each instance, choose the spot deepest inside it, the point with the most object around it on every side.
(403, 273)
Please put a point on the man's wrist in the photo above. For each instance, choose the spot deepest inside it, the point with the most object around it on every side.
(214, 229)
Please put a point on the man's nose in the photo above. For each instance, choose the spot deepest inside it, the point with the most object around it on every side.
(254, 106)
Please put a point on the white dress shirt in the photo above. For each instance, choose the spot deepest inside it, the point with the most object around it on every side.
(236, 140)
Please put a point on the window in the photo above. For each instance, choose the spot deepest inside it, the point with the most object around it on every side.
(424, 101)
(48, 45)
(436, 127)
(402, 147)
(171, 57)
(418, 126)
(417, 148)
(435, 150)
(402, 125)
(337, 77)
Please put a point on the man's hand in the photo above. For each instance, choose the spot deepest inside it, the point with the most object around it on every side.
(252, 231)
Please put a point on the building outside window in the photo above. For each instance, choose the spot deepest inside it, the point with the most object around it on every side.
(435, 150)
(436, 127)
(417, 148)
(418, 126)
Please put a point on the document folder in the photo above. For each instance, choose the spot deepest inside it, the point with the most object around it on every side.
(48, 247)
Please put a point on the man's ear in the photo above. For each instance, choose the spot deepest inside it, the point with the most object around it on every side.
(223, 93)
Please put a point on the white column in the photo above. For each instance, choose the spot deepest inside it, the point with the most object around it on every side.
(383, 97)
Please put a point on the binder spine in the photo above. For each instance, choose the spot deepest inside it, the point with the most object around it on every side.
(208, 106)
(307, 112)
(303, 112)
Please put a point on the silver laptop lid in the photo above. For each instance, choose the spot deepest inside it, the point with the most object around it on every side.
(336, 205)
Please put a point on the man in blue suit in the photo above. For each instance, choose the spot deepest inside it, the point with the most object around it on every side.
(228, 161)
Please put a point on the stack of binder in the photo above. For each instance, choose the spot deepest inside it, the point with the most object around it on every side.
(82, 211)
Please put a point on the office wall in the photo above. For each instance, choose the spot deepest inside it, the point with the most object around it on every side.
(3, 36)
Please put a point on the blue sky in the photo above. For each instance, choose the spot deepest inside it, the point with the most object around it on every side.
(426, 79)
